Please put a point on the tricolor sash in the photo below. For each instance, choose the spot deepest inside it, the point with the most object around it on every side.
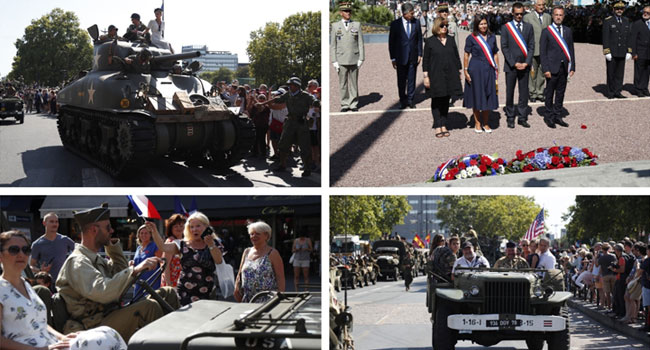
(519, 39)
(560, 41)
(487, 52)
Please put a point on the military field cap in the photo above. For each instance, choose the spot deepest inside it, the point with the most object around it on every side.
(111, 27)
(295, 81)
(345, 6)
(510, 244)
(136, 16)
(443, 8)
(92, 215)
(619, 5)
(468, 244)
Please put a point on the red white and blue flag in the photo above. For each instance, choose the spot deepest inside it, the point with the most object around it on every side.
(560, 41)
(537, 227)
(487, 52)
(144, 207)
(519, 39)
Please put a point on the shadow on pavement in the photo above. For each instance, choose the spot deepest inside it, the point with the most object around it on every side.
(601, 89)
(639, 173)
(541, 110)
(369, 99)
(9, 121)
(538, 183)
(631, 89)
(457, 120)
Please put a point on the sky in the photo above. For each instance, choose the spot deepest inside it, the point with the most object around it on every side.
(221, 25)
(556, 206)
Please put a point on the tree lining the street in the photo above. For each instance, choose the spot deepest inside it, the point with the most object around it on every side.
(278, 52)
(52, 49)
(597, 218)
(491, 216)
(223, 74)
(372, 215)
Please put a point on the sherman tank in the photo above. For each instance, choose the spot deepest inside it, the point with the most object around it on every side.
(137, 103)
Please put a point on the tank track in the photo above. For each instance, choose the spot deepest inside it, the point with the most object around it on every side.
(245, 138)
(115, 143)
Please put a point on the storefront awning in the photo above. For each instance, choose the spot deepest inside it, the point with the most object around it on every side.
(64, 206)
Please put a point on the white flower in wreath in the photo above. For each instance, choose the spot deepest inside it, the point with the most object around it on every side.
(463, 174)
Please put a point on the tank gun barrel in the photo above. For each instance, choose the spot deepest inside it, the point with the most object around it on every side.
(175, 57)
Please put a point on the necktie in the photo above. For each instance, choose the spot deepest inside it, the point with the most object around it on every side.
(346, 24)
(540, 19)
(519, 26)
(408, 29)
(559, 29)
(619, 20)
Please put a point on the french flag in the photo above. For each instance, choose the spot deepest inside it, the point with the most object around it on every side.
(144, 207)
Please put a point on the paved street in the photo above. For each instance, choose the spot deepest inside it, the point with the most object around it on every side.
(387, 317)
(382, 145)
(31, 155)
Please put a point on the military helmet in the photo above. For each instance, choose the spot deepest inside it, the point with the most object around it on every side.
(145, 53)
(135, 16)
(295, 81)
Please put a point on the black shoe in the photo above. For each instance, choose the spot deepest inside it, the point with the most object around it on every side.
(354, 109)
(524, 123)
(511, 124)
(412, 105)
(561, 122)
(549, 123)
(619, 95)
(540, 99)
(343, 110)
(403, 106)
(647, 93)
(533, 100)
(609, 96)
(306, 173)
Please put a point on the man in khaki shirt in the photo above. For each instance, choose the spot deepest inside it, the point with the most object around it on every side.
(511, 260)
(91, 286)
(347, 55)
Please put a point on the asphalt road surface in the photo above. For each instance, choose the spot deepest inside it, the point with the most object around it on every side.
(32, 155)
(382, 145)
(387, 317)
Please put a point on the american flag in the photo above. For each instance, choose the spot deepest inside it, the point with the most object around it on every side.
(536, 228)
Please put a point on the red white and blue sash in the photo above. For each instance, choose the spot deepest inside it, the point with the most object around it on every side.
(519, 39)
(487, 52)
(560, 41)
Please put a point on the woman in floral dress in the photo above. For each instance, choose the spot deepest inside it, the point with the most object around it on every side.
(261, 268)
(198, 258)
(173, 230)
(23, 317)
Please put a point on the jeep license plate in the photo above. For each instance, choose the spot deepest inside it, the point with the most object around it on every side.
(503, 323)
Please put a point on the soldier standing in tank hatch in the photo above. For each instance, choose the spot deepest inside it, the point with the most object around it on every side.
(616, 31)
(347, 54)
(295, 129)
(136, 30)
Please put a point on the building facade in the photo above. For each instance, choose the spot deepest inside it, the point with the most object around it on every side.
(421, 219)
(212, 60)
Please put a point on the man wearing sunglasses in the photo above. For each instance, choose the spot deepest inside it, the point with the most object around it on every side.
(616, 32)
(91, 286)
(517, 46)
(640, 44)
(347, 55)
(405, 49)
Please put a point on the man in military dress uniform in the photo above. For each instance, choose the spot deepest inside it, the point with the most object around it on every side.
(452, 27)
(616, 32)
(91, 286)
(539, 20)
(347, 54)
(640, 44)
(295, 129)
(511, 260)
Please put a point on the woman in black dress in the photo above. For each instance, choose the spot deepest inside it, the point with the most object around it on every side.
(441, 63)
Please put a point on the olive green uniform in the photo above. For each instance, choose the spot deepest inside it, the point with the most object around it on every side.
(507, 263)
(296, 129)
(346, 49)
(91, 287)
(472, 237)
(537, 80)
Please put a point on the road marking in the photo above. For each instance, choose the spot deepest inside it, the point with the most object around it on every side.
(38, 178)
(373, 290)
(381, 320)
(463, 108)
(94, 177)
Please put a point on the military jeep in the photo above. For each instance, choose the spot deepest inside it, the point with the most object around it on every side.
(390, 256)
(487, 306)
(12, 107)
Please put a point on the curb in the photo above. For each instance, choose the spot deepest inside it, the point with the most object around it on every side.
(609, 322)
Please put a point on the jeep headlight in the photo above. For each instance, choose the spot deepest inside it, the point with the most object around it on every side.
(538, 291)
(474, 291)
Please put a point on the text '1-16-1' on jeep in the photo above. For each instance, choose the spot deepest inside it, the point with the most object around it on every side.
(487, 306)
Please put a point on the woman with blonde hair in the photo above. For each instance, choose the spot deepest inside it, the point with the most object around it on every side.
(261, 267)
(199, 253)
(146, 249)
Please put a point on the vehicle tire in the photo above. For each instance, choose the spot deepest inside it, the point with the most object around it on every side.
(443, 338)
(396, 274)
(535, 344)
(560, 340)
(21, 120)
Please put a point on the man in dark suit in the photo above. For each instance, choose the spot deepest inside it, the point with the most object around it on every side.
(616, 33)
(405, 48)
(517, 46)
(556, 66)
(640, 44)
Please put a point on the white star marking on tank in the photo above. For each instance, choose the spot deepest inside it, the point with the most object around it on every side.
(91, 93)
(96, 61)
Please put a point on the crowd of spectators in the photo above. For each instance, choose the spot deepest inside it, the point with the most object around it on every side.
(36, 99)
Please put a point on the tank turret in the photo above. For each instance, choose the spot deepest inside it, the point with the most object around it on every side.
(133, 106)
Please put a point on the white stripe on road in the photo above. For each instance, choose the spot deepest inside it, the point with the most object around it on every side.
(373, 290)
(463, 108)
(381, 320)
(94, 177)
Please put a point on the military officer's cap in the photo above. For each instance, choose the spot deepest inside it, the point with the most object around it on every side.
(619, 5)
(467, 244)
(92, 215)
(136, 16)
(345, 6)
(295, 81)
(443, 8)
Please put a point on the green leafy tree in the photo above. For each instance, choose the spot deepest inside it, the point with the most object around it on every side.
(393, 210)
(363, 13)
(52, 49)
(491, 216)
(243, 72)
(223, 74)
(278, 52)
(371, 215)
